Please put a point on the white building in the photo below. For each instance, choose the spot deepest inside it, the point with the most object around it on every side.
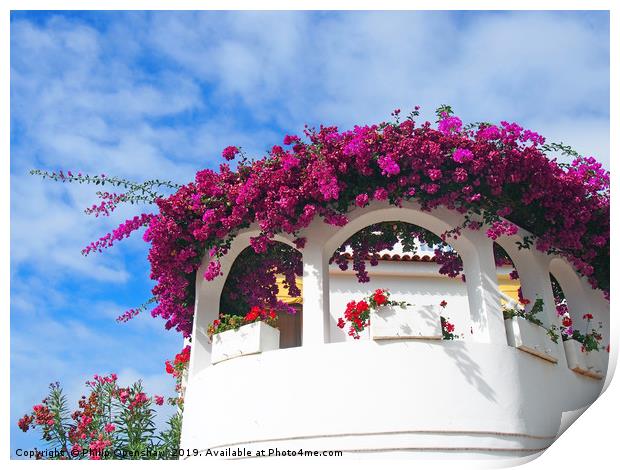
(476, 397)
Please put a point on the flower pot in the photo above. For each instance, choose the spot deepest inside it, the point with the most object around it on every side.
(413, 322)
(249, 339)
(531, 338)
(588, 363)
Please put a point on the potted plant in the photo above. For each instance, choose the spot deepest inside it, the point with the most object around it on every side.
(583, 351)
(389, 319)
(234, 335)
(526, 332)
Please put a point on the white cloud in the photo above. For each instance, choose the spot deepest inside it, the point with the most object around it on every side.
(160, 94)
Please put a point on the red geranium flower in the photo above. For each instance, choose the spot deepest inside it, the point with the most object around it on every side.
(362, 306)
(588, 316)
(252, 315)
(443, 304)
(379, 297)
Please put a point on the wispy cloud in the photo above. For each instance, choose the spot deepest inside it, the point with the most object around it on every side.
(143, 95)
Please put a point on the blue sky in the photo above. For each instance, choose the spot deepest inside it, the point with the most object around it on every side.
(143, 95)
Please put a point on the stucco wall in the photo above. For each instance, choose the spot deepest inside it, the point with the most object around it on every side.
(414, 282)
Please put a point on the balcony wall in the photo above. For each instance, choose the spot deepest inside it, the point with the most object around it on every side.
(476, 398)
(398, 397)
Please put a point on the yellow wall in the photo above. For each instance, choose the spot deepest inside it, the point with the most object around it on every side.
(508, 286)
(283, 291)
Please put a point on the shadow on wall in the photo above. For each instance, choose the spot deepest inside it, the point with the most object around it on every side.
(467, 366)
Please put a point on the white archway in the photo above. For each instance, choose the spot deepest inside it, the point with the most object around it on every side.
(475, 249)
(208, 293)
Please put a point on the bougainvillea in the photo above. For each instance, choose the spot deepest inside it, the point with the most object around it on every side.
(498, 176)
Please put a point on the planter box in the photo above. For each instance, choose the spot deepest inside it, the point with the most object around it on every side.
(413, 322)
(249, 339)
(531, 338)
(588, 363)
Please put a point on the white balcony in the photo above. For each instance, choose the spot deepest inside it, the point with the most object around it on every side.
(478, 397)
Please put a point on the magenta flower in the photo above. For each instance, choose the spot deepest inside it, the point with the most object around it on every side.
(388, 166)
(462, 155)
(361, 200)
(381, 194)
(450, 125)
(230, 152)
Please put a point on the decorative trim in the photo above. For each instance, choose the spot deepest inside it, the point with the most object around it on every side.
(384, 433)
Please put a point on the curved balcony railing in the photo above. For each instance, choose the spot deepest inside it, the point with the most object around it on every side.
(480, 396)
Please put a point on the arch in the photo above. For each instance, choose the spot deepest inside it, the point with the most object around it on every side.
(577, 298)
(532, 267)
(508, 279)
(474, 248)
(581, 298)
(208, 294)
(420, 284)
(437, 221)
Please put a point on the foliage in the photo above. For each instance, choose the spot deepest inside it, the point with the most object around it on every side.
(447, 328)
(227, 322)
(590, 340)
(498, 176)
(111, 422)
(357, 313)
(531, 315)
(178, 369)
(252, 279)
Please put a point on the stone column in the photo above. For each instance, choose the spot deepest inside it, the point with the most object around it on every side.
(483, 291)
(316, 319)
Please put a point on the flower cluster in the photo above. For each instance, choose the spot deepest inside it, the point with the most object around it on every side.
(180, 363)
(122, 231)
(447, 328)
(499, 177)
(177, 368)
(111, 422)
(109, 202)
(227, 322)
(590, 340)
(357, 313)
